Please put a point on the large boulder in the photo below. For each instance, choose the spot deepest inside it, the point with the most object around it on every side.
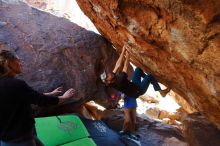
(56, 52)
(176, 40)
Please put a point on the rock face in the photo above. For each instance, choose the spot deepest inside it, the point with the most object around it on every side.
(176, 40)
(55, 52)
(200, 132)
(181, 101)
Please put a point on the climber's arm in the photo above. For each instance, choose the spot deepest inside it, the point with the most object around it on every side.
(119, 61)
(125, 68)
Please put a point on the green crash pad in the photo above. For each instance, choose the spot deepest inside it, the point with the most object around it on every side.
(81, 142)
(59, 130)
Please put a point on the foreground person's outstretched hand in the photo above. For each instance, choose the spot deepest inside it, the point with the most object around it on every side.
(55, 92)
(67, 95)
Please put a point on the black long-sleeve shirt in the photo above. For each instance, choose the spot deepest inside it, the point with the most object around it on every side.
(16, 97)
(122, 84)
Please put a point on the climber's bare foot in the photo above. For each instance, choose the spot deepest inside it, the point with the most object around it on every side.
(164, 92)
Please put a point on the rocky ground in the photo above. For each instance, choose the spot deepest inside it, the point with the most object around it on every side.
(159, 127)
(152, 132)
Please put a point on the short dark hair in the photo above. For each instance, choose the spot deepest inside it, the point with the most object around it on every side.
(5, 55)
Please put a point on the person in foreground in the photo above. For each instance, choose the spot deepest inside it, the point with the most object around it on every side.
(16, 97)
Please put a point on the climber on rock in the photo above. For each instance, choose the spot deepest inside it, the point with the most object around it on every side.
(138, 86)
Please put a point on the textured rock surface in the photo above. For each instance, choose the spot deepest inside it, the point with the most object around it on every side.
(176, 40)
(200, 132)
(184, 104)
(152, 133)
(55, 51)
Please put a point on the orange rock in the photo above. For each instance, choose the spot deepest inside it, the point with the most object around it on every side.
(177, 42)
